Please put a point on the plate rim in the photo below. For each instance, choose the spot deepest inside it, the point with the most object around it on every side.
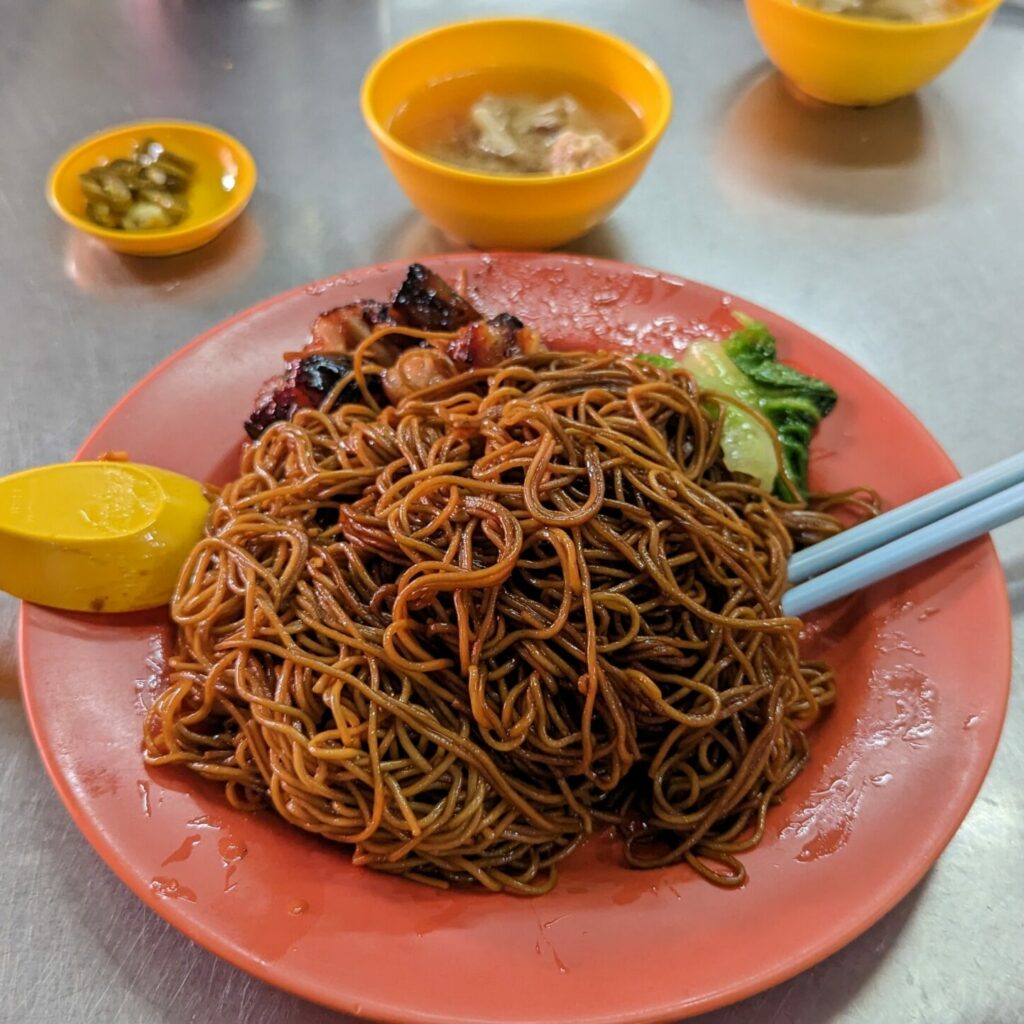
(753, 982)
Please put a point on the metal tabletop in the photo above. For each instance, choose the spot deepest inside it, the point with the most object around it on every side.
(896, 233)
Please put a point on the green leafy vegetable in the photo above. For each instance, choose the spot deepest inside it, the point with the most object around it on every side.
(794, 402)
(747, 446)
(745, 366)
(665, 362)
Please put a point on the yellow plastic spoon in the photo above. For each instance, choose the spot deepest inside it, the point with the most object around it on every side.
(97, 536)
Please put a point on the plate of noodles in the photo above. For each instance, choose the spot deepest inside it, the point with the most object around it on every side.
(475, 702)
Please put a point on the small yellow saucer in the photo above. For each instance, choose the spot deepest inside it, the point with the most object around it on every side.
(224, 182)
(97, 536)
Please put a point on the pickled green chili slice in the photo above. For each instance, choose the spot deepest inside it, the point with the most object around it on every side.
(145, 192)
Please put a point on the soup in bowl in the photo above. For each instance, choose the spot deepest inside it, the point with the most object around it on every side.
(516, 132)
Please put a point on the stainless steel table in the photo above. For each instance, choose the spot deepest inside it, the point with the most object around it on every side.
(898, 234)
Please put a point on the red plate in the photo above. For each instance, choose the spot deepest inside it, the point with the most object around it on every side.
(923, 666)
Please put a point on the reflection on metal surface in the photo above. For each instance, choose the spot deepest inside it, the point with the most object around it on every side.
(214, 268)
(778, 143)
(414, 237)
(267, 6)
(605, 241)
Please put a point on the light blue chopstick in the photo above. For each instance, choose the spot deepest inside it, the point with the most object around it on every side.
(928, 509)
(908, 550)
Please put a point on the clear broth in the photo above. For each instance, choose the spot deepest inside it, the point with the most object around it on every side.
(912, 11)
(434, 120)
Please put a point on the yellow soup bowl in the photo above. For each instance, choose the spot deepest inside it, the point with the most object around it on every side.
(97, 536)
(515, 211)
(224, 181)
(859, 62)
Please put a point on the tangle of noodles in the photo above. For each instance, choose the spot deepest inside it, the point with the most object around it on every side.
(462, 633)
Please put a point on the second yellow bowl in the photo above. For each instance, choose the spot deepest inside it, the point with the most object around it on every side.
(505, 211)
(860, 61)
